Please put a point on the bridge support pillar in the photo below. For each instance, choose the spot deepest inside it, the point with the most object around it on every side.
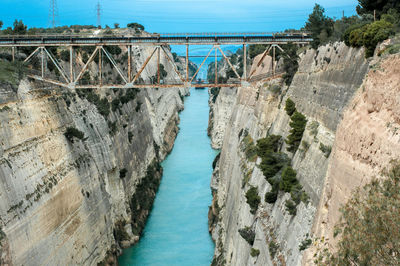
(42, 61)
(13, 53)
(187, 62)
(129, 63)
(71, 63)
(244, 62)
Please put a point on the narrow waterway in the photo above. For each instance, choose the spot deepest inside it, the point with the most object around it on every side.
(176, 232)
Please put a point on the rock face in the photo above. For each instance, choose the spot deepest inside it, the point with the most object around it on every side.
(367, 140)
(78, 201)
(322, 88)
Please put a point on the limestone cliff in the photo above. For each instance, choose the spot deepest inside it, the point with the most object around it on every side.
(367, 140)
(326, 81)
(78, 200)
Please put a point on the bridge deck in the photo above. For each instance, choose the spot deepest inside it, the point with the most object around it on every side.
(170, 39)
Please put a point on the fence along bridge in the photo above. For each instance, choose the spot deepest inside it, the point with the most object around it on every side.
(72, 77)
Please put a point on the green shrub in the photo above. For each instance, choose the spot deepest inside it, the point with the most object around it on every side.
(120, 233)
(268, 144)
(290, 107)
(273, 248)
(112, 127)
(254, 252)
(216, 159)
(73, 132)
(102, 105)
(136, 26)
(64, 55)
(298, 125)
(272, 196)
(248, 234)
(288, 179)
(369, 225)
(290, 63)
(272, 163)
(249, 149)
(214, 92)
(325, 149)
(122, 173)
(305, 244)
(256, 49)
(376, 32)
(346, 36)
(275, 89)
(253, 199)
(115, 104)
(291, 207)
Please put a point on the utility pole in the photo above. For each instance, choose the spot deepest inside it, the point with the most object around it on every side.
(53, 13)
(343, 15)
(374, 14)
(98, 8)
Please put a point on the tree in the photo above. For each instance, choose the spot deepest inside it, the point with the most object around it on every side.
(290, 63)
(369, 228)
(136, 26)
(375, 33)
(288, 179)
(290, 107)
(298, 124)
(1, 24)
(381, 6)
(320, 26)
(19, 27)
(116, 25)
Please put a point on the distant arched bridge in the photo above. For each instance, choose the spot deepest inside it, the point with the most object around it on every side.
(71, 77)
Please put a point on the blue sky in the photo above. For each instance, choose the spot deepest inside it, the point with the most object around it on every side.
(177, 15)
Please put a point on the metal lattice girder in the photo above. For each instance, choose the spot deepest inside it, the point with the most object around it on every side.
(31, 55)
(229, 62)
(202, 63)
(63, 74)
(144, 65)
(114, 64)
(86, 65)
(173, 65)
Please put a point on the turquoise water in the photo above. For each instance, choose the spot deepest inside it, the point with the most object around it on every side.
(176, 232)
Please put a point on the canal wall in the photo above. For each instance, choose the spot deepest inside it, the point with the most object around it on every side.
(348, 102)
(79, 169)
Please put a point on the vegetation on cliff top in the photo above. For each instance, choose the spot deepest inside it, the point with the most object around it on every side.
(369, 226)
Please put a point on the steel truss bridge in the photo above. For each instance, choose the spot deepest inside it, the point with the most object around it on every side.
(71, 77)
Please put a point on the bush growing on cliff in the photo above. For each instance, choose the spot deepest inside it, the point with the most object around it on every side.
(270, 143)
(290, 107)
(253, 199)
(214, 93)
(368, 35)
(254, 252)
(102, 104)
(290, 63)
(298, 125)
(369, 227)
(288, 179)
(272, 196)
(248, 234)
(142, 201)
(216, 159)
(73, 132)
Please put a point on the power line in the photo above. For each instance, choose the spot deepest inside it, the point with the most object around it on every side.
(53, 14)
(98, 8)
